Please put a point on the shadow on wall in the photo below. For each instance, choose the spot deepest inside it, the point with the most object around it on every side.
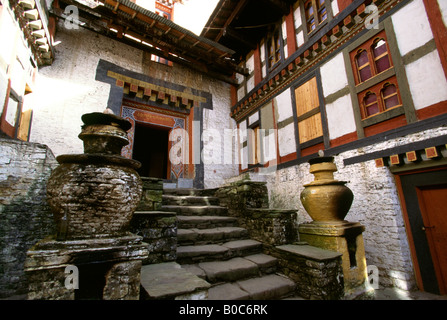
(24, 213)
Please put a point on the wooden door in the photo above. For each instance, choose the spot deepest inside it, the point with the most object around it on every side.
(423, 197)
(433, 205)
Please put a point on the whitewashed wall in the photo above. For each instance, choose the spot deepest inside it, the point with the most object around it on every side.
(68, 89)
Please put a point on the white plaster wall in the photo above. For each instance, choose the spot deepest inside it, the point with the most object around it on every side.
(67, 89)
(297, 17)
(334, 79)
(250, 64)
(284, 37)
(240, 93)
(411, 26)
(340, 112)
(286, 140)
(333, 75)
(335, 10)
(443, 6)
(376, 205)
(250, 83)
(253, 118)
(298, 23)
(427, 81)
(283, 105)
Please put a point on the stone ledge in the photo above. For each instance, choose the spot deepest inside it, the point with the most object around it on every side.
(308, 251)
(50, 253)
(332, 229)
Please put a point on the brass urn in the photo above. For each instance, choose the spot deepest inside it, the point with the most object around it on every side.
(94, 194)
(325, 199)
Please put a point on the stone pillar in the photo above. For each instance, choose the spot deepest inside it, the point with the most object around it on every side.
(347, 239)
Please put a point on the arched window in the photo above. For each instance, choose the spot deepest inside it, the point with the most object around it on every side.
(371, 105)
(390, 96)
(381, 56)
(363, 66)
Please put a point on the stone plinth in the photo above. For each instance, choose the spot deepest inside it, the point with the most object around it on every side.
(346, 238)
(106, 268)
(316, 272)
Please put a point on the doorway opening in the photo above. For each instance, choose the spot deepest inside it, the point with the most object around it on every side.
(151, 146)
(423, 194)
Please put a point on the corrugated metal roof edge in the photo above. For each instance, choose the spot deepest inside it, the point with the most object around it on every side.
(173, 25)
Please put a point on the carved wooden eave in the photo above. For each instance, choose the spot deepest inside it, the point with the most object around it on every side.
(149, 91)
(340, 30)
(133, 25)
(34, 24)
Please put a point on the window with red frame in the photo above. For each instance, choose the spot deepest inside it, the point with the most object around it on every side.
(370, 60)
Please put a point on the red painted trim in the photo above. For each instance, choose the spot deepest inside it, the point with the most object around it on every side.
(290, 29)
(257, 63)
(439, 30)
(350, 137)
(342, 4)
(432, 111)
(312, 149)
(288, 157)
(233, 94)
(384, 126)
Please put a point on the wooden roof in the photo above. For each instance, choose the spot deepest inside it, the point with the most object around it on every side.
(241, 24)
(131, 24)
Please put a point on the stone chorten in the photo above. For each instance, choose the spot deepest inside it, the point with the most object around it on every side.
(328, 201)
(93, 197)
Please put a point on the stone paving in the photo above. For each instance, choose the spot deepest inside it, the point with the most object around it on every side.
(399, 294)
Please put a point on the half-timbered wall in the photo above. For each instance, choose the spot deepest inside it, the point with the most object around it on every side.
(321, 105)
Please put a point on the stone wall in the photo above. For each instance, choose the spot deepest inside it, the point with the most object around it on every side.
(248, 201)
(159, 232)
(24, 214)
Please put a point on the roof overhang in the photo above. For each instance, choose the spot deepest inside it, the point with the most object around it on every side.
(133, 25)
(240, 25)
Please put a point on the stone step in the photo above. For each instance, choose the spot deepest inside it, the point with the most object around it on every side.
(189, 200)
(234, 269)
(210, 236)
(211, 252)
(267, 287)
(208, 210)
(205, 222)
(186, 192)
(168, 281)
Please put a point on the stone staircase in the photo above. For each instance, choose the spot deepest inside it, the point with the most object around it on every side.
(212, 247)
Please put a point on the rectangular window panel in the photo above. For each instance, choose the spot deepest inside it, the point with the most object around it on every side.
(307, 97)
(310, 128)
(308, 111)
